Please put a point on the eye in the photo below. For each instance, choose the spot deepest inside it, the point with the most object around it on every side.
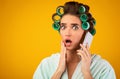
(75, 27)
(62, 27)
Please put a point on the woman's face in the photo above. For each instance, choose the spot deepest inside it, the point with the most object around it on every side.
(71, 31)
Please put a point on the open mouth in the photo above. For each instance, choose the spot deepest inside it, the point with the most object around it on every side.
(68, 42)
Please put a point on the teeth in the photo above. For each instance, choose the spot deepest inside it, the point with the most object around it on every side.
(68, 41)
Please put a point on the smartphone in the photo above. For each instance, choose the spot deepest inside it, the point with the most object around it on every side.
(88, 39)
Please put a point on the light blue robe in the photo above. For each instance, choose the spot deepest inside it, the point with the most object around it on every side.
(100, 69)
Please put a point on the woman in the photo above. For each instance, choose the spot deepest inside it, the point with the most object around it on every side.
(74, 60)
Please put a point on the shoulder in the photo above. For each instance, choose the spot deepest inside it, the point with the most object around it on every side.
(50, 62)
(47, 67)
(101, 67)
(51, 59)
(99, 60)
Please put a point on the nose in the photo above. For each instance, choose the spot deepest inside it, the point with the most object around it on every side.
(68, 32)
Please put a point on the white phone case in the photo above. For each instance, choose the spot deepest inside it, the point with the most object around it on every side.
(88, 39)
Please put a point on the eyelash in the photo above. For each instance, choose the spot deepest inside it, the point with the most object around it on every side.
(62, 27)
(74, 27)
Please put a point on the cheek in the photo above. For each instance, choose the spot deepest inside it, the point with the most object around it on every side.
(77, 37)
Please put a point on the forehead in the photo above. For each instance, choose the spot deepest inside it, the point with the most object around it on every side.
(68, 18)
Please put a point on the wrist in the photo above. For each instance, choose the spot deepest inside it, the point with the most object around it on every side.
(87, 75)
(57, 74)
(59, 70)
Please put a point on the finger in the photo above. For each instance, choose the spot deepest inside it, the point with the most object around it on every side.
(83, 56)
(85, 50)
(83, 47)
(87, 46)
(62, 46)
(81, 53)
(88, 49)
(63, 52)
(63, 49)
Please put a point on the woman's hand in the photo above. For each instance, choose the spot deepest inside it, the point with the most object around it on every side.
(63, 56)
(62, 63)
(85, 61)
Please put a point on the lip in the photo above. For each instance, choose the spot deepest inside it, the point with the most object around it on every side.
(67, 44)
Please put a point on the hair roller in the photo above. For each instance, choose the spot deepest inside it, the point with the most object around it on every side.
(58, 10)
(56, 19)
(85, 25)
(93, 31)
(84, 17)
(93, 21)
(83, 9)
(56, 25)
(87, 8)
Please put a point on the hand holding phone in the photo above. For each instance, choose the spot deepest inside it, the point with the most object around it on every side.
(88, 39)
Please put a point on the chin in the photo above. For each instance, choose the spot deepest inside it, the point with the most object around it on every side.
(71, 48)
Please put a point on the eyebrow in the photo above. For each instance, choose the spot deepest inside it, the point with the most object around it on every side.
(62, 23)
(74, 24)
(71, 24)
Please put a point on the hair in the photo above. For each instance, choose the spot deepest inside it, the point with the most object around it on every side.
(72, 8)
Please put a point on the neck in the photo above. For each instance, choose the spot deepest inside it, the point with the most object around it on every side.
(72, 57)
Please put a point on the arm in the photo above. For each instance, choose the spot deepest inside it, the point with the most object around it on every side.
(87, 75)
(85, 61)
(62, 63)
(57, 74)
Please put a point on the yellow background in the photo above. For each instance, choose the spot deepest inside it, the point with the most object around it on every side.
(26, 34)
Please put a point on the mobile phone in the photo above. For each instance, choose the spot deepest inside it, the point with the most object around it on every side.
(88, 39)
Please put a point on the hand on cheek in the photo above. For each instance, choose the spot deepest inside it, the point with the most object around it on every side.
(62, 61)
